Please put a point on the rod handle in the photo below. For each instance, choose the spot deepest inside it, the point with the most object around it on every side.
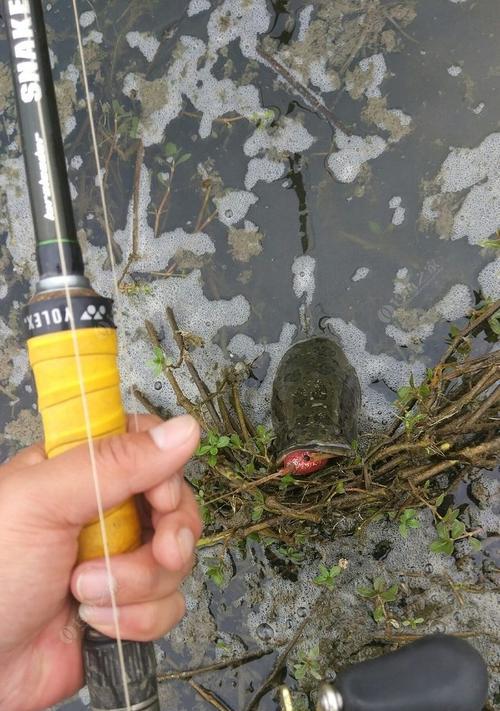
(53, 358)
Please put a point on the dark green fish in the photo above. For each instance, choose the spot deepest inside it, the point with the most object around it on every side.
(315, 405)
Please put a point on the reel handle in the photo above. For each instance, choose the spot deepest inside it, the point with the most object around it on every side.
(436, 673)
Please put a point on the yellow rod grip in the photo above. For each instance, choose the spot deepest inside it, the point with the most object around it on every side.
(53, 360)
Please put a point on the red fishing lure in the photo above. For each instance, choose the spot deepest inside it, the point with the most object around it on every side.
(303, 462)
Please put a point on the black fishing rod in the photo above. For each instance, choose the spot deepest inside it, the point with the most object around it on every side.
(72, 347)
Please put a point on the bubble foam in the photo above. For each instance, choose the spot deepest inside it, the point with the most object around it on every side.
(145, 43)
(304, 282)
(234, 205)
(353, 152)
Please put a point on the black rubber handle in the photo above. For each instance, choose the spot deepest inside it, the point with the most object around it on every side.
(436, 673)
(104, 674)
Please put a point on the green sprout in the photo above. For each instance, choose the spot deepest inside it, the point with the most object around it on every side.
(308, 665)
(211, 446)
(175, 154)
(413, 622)
(449, 530)
(160, 361)
(379, 594)
(327, 576)
(407, 521)
(215, 571)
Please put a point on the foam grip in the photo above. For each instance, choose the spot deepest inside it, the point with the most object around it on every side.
(54, 363)
(436, 673)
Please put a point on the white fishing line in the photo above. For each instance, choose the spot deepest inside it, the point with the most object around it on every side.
(90, 442)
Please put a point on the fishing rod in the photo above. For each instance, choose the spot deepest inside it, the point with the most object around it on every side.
(72, 348)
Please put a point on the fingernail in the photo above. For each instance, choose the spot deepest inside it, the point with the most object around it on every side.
(174, 432)
(93, 585)
(185, 543)
(94, 615)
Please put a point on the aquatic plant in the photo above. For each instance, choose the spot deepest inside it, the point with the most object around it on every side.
(445, 425)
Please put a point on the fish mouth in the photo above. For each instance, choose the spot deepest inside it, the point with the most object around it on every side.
(330, 450)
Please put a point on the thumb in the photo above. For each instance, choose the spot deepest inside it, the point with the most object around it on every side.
(124, 465)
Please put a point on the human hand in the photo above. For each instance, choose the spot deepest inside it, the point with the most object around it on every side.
(43, 506)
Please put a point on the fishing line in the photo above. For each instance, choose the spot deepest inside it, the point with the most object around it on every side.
(86, 414)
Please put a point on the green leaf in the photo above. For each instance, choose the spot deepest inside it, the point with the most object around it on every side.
(379, 584)
(184, 158)
(170, 150)
(212, 460)
(216, 575)
(390, 594)
(475, 544)
(340, 488)
(439, 501)
(378, 613)
(440, 546)
(457, 529)
(235, 441)
(366, 592)
(223, 441)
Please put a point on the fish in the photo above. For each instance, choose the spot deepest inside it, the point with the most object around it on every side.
(315, 404)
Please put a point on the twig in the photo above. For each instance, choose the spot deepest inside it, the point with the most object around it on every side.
(238, 532)
(208, 696)
(400, 29)
(134, 252)
(216, 666)
(182, 400)
(484, 316)
(162, 207)
(306, 94)
(250, 485)
(148, 405)
(205, 393)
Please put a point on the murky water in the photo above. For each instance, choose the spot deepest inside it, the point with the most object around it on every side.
(338, 154)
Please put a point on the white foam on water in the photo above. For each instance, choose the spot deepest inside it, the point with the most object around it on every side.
(146, 43)
(455, 304)
(399, 211)
(404, 121)
(238, 20)
(20, 366)
(197, 6)
(489, 279)
(234, 205)
(304, 21)
(320, 77)
(378, 68)
(189, 76)
(454, 70)
(263, 169)
(93, 36)
(304, 283)
(360, 273)
(179, 293)
(353, 152)
(87, 18)
(476, 169)
(245, 348)
(76, 162)
(289, 137)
